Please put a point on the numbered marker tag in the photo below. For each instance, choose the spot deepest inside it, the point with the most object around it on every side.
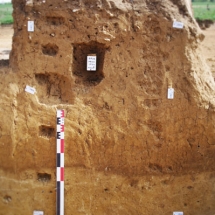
(178, 24)
(30, 26)
(178, 213)
(91, 63)
(170, 94)
(38, 213)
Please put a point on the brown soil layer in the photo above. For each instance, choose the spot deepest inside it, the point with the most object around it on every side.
(128, 149)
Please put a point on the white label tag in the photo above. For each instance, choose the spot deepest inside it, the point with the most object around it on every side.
(38, 213)
(30, 90)
(31, 26)
(178, 24)
(91, 63)
(170, 93)
(178, 213)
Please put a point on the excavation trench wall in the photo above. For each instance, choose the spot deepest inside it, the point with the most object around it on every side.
(129, 149)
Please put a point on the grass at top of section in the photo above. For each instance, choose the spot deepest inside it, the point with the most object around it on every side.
(201, 11)
(204, 10)
(6, 11)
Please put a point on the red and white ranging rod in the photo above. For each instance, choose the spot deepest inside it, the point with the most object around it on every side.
(60, 162)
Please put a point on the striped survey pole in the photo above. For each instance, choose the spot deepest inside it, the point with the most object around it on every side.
(60, 162)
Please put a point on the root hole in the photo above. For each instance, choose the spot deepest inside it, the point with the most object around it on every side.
(50, 49)
(46, 131)
(43, 177)
(7, 199)
(55, 20)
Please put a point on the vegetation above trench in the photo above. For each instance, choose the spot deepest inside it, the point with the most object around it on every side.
(6, 13)
(203, 10)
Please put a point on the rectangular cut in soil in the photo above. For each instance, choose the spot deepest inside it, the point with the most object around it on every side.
(84, 73)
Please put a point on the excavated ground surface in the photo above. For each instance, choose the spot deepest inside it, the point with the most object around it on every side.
(6, 34)
(129, 150)
(208, 49)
